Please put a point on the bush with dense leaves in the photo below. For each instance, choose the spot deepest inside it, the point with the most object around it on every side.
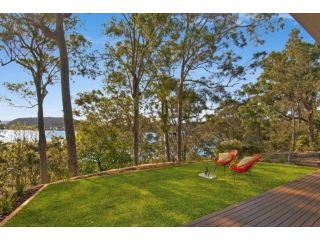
(229, 145)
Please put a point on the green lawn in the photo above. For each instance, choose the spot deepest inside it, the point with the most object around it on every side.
(162, 197)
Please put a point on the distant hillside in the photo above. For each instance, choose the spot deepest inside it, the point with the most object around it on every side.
(52, 123)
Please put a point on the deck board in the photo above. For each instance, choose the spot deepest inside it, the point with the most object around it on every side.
(234, 210)
(294, 204)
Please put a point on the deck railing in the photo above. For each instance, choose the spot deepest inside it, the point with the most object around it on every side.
(304, 158)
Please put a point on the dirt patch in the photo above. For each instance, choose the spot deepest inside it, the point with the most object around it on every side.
(20, 200)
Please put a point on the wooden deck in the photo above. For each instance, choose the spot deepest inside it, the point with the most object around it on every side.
(296, 204)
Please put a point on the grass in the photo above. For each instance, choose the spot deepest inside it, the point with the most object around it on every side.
(163, 197)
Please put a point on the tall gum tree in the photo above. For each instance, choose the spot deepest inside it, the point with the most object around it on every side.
(203, 42)
(26, 46)
(130, 59)
(291, 77)
(54, 26)
(162, 94)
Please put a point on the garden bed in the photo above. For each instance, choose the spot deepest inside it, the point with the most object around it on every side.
(19, 200)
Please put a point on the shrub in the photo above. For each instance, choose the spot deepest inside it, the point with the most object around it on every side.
(249, 149)
(243, 148)
(6, 200)
(57, 159)
(19, 186)
(230, 145)
(302, 143)
(193, 156)
(6, 192)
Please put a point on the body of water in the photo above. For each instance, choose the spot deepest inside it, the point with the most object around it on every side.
(12, 135)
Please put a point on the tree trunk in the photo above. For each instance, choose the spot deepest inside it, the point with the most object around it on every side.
(100, 166)
(66, 99)
(42, 142)
(185, 136)
(311, 125)
(165, 129)
(293, 135)
(135, 121)
(167, 143)
(179, 129)
(184, 152)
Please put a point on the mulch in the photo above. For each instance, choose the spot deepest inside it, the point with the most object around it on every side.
(18, 200)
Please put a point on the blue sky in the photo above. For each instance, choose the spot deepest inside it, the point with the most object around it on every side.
(92, 27)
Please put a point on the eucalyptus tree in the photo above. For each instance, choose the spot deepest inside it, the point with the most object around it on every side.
(130, 59)
(193, 108)
(303, 68)
(289, 83)
(54, 27)
(166, 85)
(163, 92)
(226, 119)
(26, 46)
(206, 42)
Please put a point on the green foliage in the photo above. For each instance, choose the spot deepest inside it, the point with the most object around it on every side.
(279, 110)
(21, 158)
(303, 144)
(57, 159)
(244, 149)
(103, 146)
(6, 190)
(19, 186)
(19, 161)
(23, 43)
(6, 202)
(250, 149)
(230, 145)
(193, 156)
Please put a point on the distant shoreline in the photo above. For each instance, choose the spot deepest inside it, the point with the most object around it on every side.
(9, 135)
(50, 123)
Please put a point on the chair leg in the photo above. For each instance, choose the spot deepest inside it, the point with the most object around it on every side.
(251, 176)
(234, 177)
(224, 170)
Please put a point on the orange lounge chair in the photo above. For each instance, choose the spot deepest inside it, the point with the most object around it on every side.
(224, 159)
(245, 165)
